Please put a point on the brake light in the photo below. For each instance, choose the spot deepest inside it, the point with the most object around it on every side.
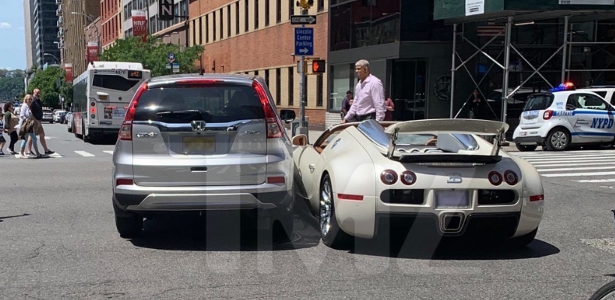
(537, 198)
(388, 177)
(126, 129)
(408, 177)
(124, 181)
(274, 127)
(276, 179)
(199, 81)
(511, 177)
(495, 178)
(547, 114)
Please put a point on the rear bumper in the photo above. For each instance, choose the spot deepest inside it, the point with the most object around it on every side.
(266, 197)
(97, 131)
(538, 140)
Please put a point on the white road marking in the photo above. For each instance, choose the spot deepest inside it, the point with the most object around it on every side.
(551, 164)
(575, 169)
(596, 180)
(108, 151)
(578, 174)
(85, 154)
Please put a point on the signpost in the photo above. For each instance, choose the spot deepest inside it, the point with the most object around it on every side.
(304, 45)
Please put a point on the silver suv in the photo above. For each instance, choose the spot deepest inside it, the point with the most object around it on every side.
(203, 142)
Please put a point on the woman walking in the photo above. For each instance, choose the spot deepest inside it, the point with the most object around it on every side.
(10, 121)
(26, 130)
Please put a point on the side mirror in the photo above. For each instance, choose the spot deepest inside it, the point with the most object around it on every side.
(300, 140)
(287, 115)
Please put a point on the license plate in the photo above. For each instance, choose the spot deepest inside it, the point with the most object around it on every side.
(119, 112)
(199, 144)
(452, 199)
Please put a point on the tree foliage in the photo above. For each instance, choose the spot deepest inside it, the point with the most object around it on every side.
(11, 84)
(49, 81)
(153, 54)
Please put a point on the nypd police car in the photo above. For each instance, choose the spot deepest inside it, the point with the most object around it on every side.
(564, 117)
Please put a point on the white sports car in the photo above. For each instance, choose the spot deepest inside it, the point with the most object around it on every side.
(358, 174)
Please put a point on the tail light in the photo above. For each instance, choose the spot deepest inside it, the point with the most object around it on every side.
(274, 126)
(547, 114)
(388, 177)
(276, 179)
(495, 178)
(537, 198)
(511, 177)
(408, 177)
(126, 129)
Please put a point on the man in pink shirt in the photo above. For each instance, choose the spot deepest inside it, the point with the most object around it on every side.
(368, 97)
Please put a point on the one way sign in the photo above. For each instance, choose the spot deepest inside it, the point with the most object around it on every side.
(302, 20)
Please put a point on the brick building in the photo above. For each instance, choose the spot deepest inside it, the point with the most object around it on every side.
(111, 21)
(75, 16)
(256, 37)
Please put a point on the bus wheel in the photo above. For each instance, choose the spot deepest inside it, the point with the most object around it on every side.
(84, 136)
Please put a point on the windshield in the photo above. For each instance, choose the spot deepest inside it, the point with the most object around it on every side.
(538, 102)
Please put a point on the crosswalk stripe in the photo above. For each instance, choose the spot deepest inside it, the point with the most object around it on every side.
(570, 159)
(85, 154)
(574, 169)
(568, 156)
(596, 180)
(551, 164)
(567, 162)
(108, 151)
(578, 174)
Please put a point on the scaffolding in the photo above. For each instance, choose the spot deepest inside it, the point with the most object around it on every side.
(510, 19)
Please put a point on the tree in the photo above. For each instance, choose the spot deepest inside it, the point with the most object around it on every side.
(11, 84)
(153, 54)
(49, 82)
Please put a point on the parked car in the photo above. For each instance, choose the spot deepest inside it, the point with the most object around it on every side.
(47, 115)
(358, 176)
(203, 142)
(58, 116)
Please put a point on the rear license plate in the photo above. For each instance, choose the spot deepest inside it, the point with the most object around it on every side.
(452, 199)
(199, 145)
(119, 112)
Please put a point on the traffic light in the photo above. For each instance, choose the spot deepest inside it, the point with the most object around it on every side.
(318, 66)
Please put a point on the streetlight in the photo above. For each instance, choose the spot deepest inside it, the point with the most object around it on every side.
(49, 54)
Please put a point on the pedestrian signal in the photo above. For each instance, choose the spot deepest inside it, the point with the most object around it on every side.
(318, 66)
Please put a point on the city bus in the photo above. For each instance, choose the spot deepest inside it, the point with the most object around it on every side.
(101, 96)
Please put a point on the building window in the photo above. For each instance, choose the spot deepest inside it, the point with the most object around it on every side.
(341, 81)
(267, 77)
(206, 29)
(266, 12)
(321, 5)
(236, 17)
(228, 21)
(256, 14)
(291, 8)
(256, 73)
(199, 31)
(291, 85)
(221, 23)
(278, 9)
(213, 15)
(246, 10)
(278, 97)
(319, 92)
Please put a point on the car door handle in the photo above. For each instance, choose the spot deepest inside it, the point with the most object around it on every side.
(147, 134)
(312, 167)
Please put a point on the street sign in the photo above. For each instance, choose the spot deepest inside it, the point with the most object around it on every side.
(166, 10)
(303, 20)
(304, 41)
(171, 57)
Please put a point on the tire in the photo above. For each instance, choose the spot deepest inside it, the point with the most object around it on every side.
(558, 139)
(524, 240)
(607, 290)
(524, 148)
(330, 232)
(128, 225)
(84, 136)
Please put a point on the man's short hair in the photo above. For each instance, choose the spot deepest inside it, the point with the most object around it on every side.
(362, 63)
(349, 92)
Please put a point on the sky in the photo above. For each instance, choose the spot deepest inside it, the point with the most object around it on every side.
(12, 35)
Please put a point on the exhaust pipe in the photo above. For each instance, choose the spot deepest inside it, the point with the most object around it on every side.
(451, 222)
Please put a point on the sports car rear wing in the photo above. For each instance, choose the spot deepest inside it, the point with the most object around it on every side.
(459, 126)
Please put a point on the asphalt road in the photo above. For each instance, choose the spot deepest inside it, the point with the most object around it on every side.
(58, 241)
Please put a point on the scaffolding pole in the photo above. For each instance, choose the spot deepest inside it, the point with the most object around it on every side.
(453, 70)
(566, 19)
(506, 67)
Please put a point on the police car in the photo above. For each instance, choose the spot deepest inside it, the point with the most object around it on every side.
(564, 117)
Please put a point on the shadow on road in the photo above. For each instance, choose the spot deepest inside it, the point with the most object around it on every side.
(10, 217)
(221, 232)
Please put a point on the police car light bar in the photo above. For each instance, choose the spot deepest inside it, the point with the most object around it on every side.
(568, 86)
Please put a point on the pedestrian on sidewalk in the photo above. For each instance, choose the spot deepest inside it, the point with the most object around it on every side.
(36, 107)
(10, 121)
(368, 96)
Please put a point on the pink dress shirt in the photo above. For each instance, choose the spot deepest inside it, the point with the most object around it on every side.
(368, 98)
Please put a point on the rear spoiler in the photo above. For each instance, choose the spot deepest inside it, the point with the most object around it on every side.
(464, 126)
(450, 158)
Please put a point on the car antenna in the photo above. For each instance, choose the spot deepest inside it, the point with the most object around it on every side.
(392, 144)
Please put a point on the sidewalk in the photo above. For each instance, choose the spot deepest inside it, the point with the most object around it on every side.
(314, 134)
